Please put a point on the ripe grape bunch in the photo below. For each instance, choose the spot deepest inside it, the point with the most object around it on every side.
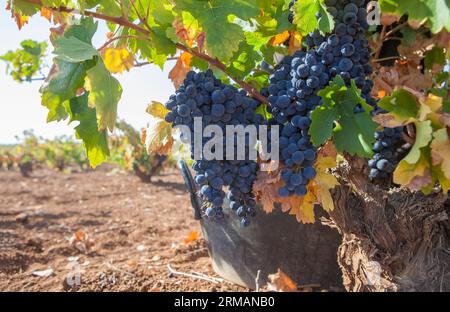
(204, 96)
(295, 83)
(388, 148)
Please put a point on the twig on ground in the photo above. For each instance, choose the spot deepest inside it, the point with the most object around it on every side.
(257, 279)
(205, 278)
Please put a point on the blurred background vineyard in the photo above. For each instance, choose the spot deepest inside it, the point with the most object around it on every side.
(67, 155)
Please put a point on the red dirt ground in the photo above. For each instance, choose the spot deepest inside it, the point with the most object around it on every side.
(135, 230)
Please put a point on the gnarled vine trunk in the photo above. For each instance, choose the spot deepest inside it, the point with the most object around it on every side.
(392, 240)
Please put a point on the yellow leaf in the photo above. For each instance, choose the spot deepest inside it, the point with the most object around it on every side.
(118, 59)
(180, 70)
(21, 20)
(326, 181)
(295, 42)
(440, 151)
(304, 211)
(159, 137)
(279, 39)
(443, 180)
(46, 13)
(414, 176)
(391, 121)
(157, 110)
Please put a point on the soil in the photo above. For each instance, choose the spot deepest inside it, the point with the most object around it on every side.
(101, 230)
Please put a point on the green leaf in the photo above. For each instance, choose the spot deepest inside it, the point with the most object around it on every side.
(161, 43)
(104, 94)
(401, 104)
(352, 133)
(83, 29)
(326, 21)
(23, 64)
(423, 138)
(222, 37)
(95, 141)
(24, 7)
(243, 61)
(73, 50)
(440, 17)
(434, 56)
(262, 110)
(436, 12)
(322, 122)
(61, 86)
(305, 17)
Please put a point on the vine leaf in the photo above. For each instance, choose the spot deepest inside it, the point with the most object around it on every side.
(436, 12)
(440, 151)
(62, 85)
(157, 110)
(324, 180)
(423, 138)
(267, 184)
(295, 42)
(279, 38)
(352, 133)
(426, 163)
(95, 141)
(222, 36)
(180, 70)
(104, 95)
(415, 176)
(305, 17)
(118, 59)
(159, 133)
(66, 78)
(402, 108)
(73, 50)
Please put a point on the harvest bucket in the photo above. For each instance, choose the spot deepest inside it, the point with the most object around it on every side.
(307, 253)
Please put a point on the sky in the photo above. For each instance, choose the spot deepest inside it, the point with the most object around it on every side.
(20, 104)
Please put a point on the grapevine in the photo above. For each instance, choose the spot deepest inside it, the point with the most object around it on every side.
(361, 102)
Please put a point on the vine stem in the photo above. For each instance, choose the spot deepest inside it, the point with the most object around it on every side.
(126, 23)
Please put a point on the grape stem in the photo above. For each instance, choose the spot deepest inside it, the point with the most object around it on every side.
(126, 23)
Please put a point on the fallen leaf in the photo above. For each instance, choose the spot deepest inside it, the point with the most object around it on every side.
(192, 237)
(81, 241)
(281, 282)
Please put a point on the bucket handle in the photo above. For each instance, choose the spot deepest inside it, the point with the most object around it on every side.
(190, 185)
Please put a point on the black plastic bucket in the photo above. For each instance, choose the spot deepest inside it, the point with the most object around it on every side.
(305, 252)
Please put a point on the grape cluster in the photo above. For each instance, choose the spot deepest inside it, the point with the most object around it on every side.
(204, 96)
(298, 155)
(389, 148)
(296, 81)
(346, 51)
